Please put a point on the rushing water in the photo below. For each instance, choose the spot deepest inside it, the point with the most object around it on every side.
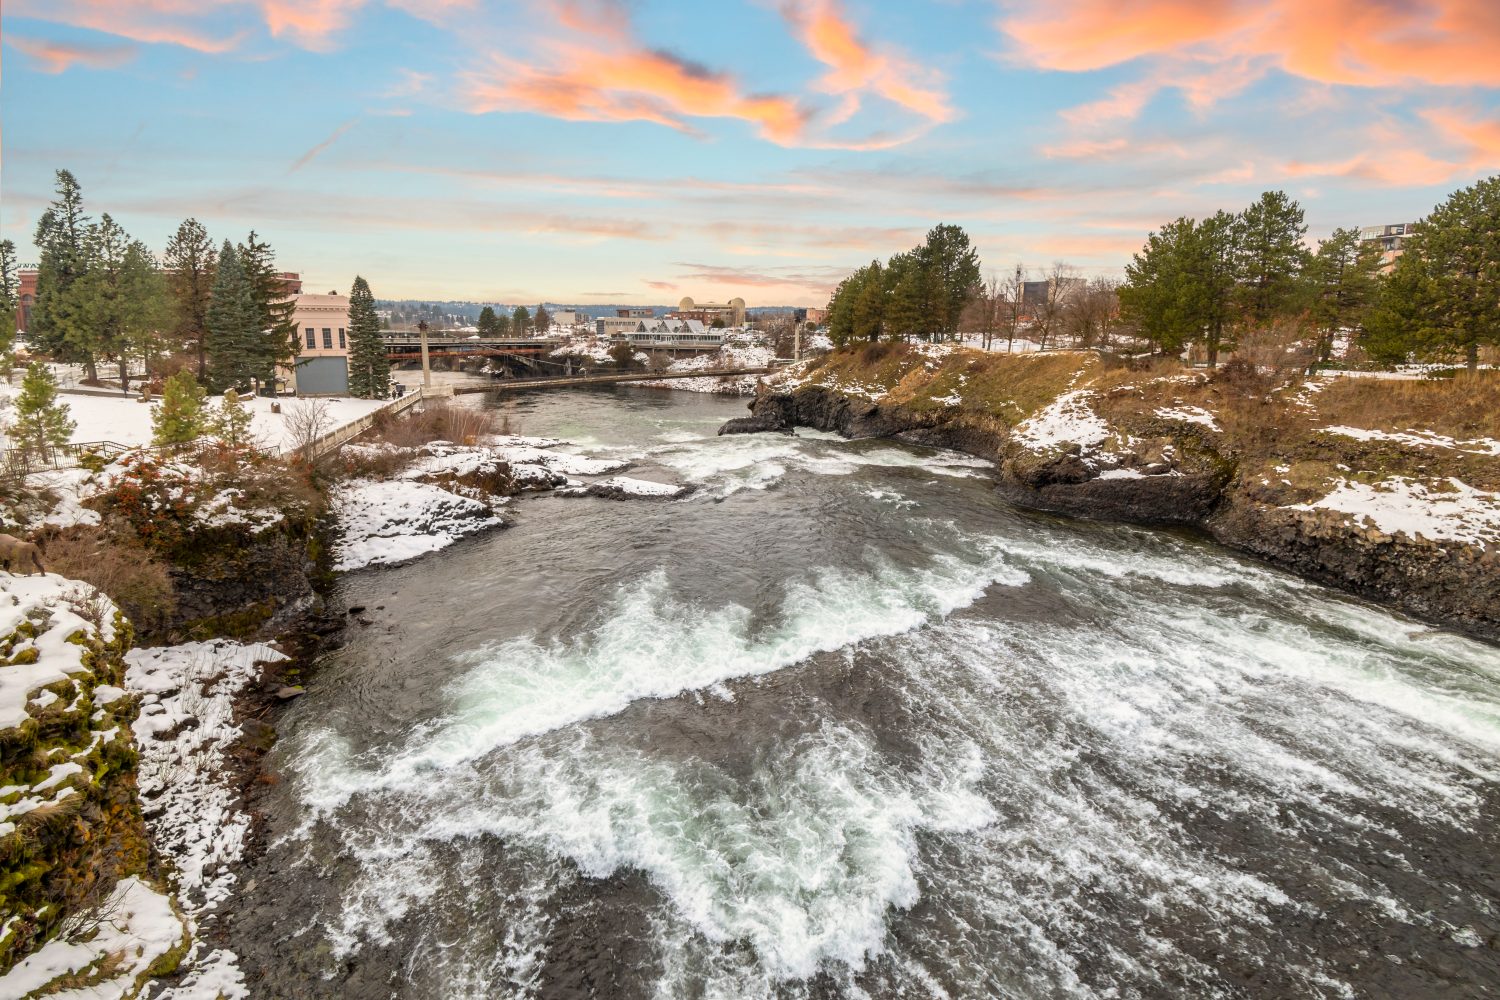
(845, 724)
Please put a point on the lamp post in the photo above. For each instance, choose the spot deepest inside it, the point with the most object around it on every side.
(426, 368)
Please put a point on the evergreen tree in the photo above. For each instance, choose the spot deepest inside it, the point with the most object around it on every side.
(369, 369)
(950, 266)
(9, 303)
(1457, 308)
(904, 312)
(179, 418)
(58, 326)
(1211, 281)
(235, 344)
(1344, 281)
(520, 321)
(190, 262)
(502, 324)
(41, 421)
(1403, 314)
(1270, 257)
(230, 423)
(488, 324)
(542, 322)
(122, 297)
(1157, 287)
(278, 343)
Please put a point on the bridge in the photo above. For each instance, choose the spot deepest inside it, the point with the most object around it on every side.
(548, 382)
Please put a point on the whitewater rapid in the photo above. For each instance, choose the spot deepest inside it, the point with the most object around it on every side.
(841, 724)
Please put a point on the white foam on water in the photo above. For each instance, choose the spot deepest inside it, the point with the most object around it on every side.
(649, 643)
(800, 862)
(756, 461)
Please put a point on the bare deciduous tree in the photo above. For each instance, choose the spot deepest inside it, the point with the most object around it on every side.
(1013, 305)
(306, 421)
(1063, 285)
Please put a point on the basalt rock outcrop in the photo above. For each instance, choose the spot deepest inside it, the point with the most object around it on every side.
(1180, 475)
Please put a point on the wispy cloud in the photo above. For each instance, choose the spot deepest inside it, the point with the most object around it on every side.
(315, 151)
(57, 57)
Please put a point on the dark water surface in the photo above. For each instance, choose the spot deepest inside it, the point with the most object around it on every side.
(844, 724)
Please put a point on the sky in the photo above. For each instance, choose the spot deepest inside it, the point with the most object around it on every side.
(614, 151)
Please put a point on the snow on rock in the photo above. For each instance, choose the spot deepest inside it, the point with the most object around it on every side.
(1188, 415)
(1067, 420)
(51, 604)
(1419, 439)
(186, 730)
(739, 354)
(1449, 511)
(382, 523)
(136, 926)
(71, 487)
(620, 487)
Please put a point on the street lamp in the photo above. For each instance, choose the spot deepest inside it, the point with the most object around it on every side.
(426, 368)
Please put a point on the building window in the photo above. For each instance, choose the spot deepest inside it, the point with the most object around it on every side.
(327, 339)
(342, 344)
(310, 341)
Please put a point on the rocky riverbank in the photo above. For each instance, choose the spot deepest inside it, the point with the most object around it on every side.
(1382, 488)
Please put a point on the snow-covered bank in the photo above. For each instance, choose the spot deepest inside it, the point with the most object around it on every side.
(382, 523)
(733, 355)
(125, 420)
(186, 731)
(115, 949)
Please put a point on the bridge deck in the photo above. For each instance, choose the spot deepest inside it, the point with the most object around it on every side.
(500, 385)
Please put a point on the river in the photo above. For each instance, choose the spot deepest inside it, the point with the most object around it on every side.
(843, 724)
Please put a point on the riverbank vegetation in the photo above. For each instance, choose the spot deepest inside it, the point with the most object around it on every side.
(1233, 282)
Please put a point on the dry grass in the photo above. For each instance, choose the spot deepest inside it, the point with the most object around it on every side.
(1466, 406)
(435, 422)
(121, 567)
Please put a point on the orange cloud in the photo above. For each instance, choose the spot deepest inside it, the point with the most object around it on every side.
(1398, 157)
(822, 26)
(1357, 42)
(309, 23)
(621, 80)
(56, 57)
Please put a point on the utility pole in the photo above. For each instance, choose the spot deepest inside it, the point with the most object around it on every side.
(426, 368)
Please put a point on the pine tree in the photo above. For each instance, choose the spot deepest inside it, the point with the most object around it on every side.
(1459, 247)
(41, 421)
(1156, 292)
(520, 321)
(502, 325)
(58, 326)
(230, 423)
(235, 345)
(369, 369)
(904, 314)
(278, 343)
(178, 419)
(190, 262)
(950, 266)
(1270, 257)
(542, 322)
(1344, 282)
(488, 322)
(9, 303)
(122, 297)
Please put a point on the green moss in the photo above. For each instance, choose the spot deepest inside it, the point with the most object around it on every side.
(241, 624)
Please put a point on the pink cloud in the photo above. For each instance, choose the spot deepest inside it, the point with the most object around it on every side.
(56, 57)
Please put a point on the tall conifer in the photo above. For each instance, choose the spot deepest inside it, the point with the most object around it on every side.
(369, 369)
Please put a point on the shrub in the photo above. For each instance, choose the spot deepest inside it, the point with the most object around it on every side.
(179, 418)
(120, 566)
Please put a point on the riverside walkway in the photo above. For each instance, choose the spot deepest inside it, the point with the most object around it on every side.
(550, 382)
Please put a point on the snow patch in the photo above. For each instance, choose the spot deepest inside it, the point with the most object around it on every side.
(1457, 512)
(382, 523)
